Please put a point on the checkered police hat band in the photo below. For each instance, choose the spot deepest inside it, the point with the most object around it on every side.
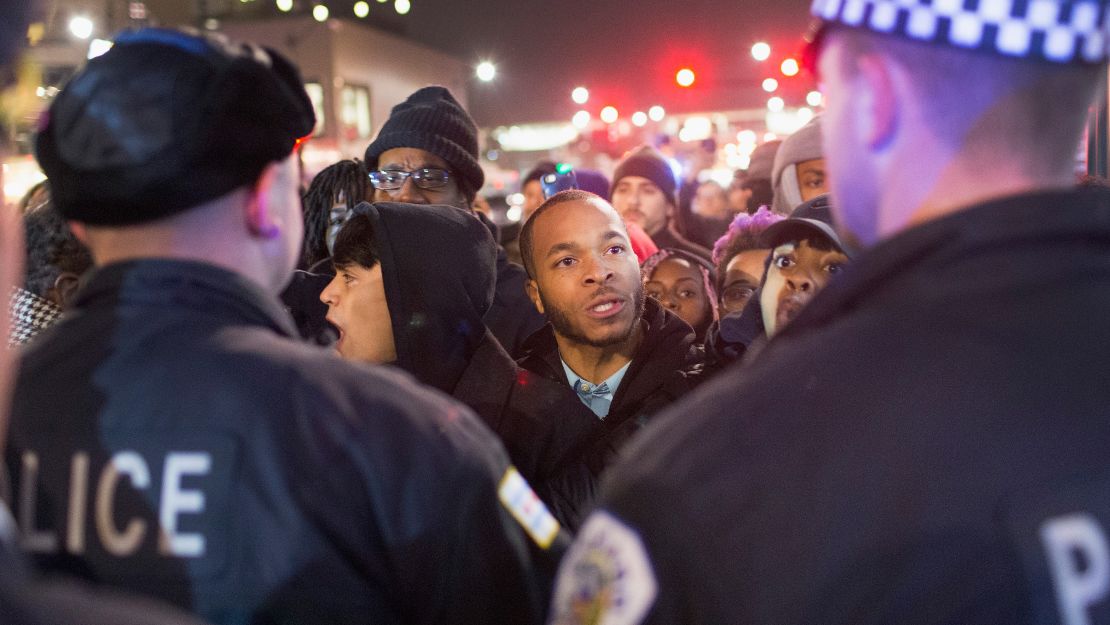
(1061, 31)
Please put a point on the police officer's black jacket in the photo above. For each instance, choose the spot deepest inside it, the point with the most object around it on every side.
(169, 438)
(25, 600)
(438, 269)
(927, 442)
(665, 366)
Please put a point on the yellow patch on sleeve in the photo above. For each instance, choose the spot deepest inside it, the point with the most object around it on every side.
(527, 508)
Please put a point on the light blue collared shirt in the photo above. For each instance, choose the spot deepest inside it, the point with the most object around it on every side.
(595, 397)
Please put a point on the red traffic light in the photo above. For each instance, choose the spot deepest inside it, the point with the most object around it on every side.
(685, 77)
(790, 67)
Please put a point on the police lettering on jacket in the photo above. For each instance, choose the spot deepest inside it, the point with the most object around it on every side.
(153, 501)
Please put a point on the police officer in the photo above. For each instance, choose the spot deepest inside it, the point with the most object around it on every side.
(170, 438)
(927, 441)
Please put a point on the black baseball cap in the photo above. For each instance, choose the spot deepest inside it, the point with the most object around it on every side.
(809, 219)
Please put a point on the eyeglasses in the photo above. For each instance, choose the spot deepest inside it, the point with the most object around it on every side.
(736, 296)
(425, 178)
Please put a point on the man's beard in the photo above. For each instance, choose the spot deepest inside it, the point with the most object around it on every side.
(564, 326)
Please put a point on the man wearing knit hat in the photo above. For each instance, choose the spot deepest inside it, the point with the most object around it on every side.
(427, 153)
(643, 192)
(172, 437)
(798, 174)
(926, 441)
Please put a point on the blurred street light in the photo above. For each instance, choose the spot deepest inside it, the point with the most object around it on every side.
(776, 104)
(486, 71)
(81, 27)
(609, 114)
(685, 77)
(761, 51)
(581, 119)
(814, 98)
(656, 113)
(284, 6)
(402, 6)
(580, 95)
(362, 9)
(770, 85)
(639, 118)
(320, 13)
(790, 67)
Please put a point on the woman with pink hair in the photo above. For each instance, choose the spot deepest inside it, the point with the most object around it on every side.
(741, 260)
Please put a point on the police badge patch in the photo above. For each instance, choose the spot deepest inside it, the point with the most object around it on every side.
(606, 577)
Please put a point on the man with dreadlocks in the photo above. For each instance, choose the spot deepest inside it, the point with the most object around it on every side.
(334, 192)
(327, 204)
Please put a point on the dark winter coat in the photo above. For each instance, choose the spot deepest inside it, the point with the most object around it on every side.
(436, 303)
(669, 238)
(289, 486)
(665, 367)
(925, 443)
(301, 298)
(28, 601)
(513, 317)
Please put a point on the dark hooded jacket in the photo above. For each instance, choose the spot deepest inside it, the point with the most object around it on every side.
(438, 267)
(666, 365)
(668, 237)
(512, 317)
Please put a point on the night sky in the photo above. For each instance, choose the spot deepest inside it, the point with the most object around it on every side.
(625, 51)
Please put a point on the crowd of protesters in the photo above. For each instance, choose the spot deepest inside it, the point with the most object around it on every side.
(861, 383)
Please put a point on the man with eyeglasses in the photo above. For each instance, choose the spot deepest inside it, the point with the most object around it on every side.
(926, 442)
(427, 153)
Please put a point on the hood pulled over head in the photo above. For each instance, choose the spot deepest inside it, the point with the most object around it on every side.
(439, 268)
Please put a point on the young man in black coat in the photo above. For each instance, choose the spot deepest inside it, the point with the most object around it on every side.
(172, 438)
(926, 442)
(395, 301)
(623, 354)
(427, 153)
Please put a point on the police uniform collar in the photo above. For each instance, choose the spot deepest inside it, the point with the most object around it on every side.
(186, 284)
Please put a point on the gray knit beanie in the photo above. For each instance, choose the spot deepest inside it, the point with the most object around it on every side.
(763, 160)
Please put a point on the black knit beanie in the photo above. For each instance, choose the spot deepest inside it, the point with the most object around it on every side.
(432, 120)
(166, 121)
(647, 162)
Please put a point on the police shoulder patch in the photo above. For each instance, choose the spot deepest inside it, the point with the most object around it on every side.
(606, 577)
(527, 508)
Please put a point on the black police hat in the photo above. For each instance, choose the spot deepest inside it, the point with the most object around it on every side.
(167, 120)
